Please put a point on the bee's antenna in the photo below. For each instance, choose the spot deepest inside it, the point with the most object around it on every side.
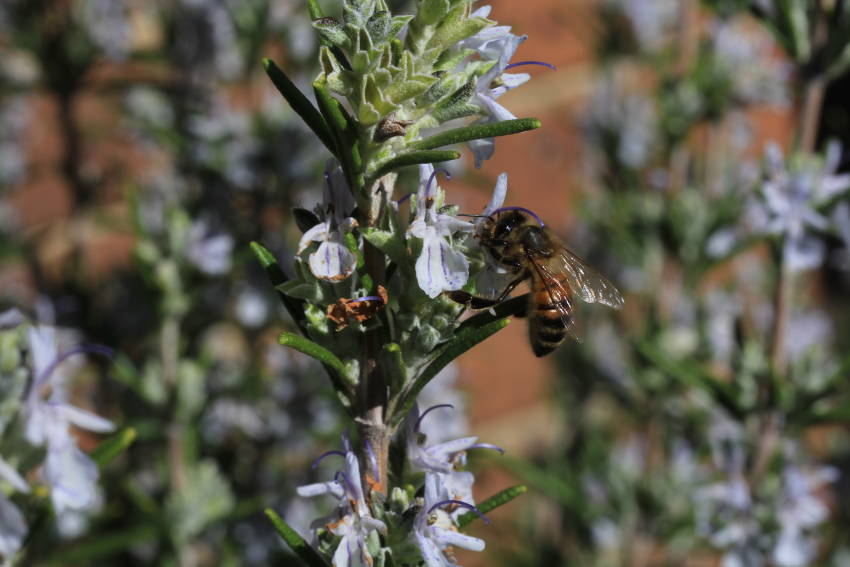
(523, 209)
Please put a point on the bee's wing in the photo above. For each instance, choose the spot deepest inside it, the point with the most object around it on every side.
(587, 283)
(560, 296)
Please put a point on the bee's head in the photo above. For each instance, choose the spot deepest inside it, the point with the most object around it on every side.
(503, 222)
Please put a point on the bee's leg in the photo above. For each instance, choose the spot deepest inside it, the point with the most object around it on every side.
(471, 301)
(477, 302)
(510, 287)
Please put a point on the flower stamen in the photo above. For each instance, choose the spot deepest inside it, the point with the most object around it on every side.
(461, 504)
(427, 411)
(520, 63)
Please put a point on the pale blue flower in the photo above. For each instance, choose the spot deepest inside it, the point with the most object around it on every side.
(444, 457)
(434, 531)
(332, 260)
(209, 251)
(440, 267)
(653, 21)
(746, 55)
(70, 473)
(627, 122)
(493, 84)
(108, 25)
(351, 521)
(800, 514)
(791, 196)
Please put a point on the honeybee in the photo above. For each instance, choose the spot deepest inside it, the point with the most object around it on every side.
(516, 239)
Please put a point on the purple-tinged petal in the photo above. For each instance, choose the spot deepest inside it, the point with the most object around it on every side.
(440, 268)
(11, 318)
(86, 420)
(482, 150)
(317, 233)
(332, 261)
(430, 551)
(499, 193)
(496, 111)
(13, 528)
(448, 538)
(320, 489)
(453, 446)
(833, 186)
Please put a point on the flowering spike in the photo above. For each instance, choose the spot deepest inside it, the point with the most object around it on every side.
(323, 455)
(462, 504)
(523, 209)
(541, 63)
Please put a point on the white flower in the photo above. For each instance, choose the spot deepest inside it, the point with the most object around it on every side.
(444, 458)
(652, 20)
(625, 120)
(434, 531)
(12, 528)
(493, 84)
(495, 276)
(332, 260)
(70, 473)
(352, 521)
(209, 252)
(790, 196)
(439, 267)
(108, 25)
(800, 513)
(48, 418)
(746, 57)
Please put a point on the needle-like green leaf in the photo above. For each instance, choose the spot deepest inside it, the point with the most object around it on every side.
(492, 503)
(300, 104)
(338, 372)
(413, 158)
(309, 556)
(107, 451)
(467, 133)
(274, 272)
(315, 9)
(462, 341)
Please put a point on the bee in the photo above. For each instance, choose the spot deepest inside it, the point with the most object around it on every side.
(516, 239)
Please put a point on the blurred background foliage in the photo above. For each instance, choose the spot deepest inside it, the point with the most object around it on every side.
(142, 148)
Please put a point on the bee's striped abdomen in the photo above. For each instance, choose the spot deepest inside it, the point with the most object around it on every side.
(547, 327)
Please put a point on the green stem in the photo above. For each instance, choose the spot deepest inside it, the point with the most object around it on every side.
(169, 347)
